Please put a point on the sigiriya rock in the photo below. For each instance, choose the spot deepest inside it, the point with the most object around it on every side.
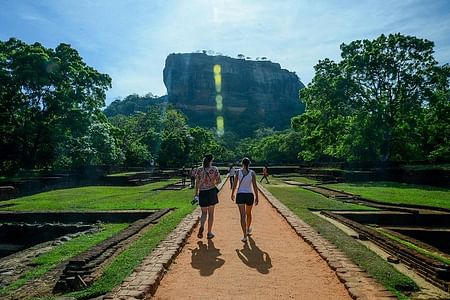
(247, 94)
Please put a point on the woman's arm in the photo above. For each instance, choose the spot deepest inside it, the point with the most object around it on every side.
(255, 188)
(235, 182)
(197, 185)
(218, 179)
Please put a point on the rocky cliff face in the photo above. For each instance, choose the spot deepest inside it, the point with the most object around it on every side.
(247, 94)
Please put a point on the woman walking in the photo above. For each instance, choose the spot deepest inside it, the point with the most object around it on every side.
(207, 177)
(246, 179)
(265, 174)
(231, 173)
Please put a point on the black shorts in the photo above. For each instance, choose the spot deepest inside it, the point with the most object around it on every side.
(208, 197)
(245, 198)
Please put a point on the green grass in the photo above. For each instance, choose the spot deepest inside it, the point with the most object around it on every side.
(427, 167)
(398, 193)
(415, 247)
(60, 253)
(300, 179)
(125, 174)
(278, 180)
(300, 201)
(111, 198)
(103, 198)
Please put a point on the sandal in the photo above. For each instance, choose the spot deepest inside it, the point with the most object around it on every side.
(200, 233)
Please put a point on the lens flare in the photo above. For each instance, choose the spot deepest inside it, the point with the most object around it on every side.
(218, 82)
(220, 126)
(217, 69)
(219, 103)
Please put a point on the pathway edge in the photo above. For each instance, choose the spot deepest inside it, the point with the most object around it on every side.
(358, 283)
(145, 279)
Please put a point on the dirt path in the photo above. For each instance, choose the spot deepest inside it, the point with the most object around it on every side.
(275, 264)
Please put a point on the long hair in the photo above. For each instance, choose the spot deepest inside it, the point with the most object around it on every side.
(207, 159)
(246, 162)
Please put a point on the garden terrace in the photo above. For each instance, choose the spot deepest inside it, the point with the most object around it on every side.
(83, 269)
(433, 266)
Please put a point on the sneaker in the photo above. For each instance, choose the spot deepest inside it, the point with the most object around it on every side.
(249, 232)
(244, 239)
(200, 233)
(210, 235)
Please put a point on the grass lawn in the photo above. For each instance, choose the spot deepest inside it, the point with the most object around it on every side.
(399, 193)
(300, 201)
(110, 198)
(104, 198)
(299, 179)
(126, 174)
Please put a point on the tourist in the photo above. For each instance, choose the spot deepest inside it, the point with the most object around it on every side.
(265, 174)
(231, 173)
(183, 176)
(246, 179)
(192, 175)
(207, 177)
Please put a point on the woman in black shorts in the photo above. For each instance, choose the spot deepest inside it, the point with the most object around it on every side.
(246, 179)
(205, 188)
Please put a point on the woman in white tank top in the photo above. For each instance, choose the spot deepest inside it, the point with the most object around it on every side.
(247, 194)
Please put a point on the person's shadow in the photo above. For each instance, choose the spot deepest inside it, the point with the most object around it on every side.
(254, 257)
(205, 258)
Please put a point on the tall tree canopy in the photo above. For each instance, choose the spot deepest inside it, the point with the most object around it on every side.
(377, 103)
(48, 98)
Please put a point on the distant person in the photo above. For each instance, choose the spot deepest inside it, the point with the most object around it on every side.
(192, 176)
(245, 180)
(183, 176)
(265, 174)
(207, 177)
(231, 173)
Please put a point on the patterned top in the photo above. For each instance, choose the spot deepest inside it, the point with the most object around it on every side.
(207, 177)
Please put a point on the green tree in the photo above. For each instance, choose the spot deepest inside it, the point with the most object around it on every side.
(48, 97)
(372, 104)
(436, 129)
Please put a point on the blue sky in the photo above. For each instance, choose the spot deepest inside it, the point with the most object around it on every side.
(130, 40)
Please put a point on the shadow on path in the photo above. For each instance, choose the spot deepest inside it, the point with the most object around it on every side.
(254, 257)
(205, 258)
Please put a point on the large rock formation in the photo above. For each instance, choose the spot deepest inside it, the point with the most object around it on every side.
(247, 94)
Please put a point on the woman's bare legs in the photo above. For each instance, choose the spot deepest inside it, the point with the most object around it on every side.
(210, 218)
(202, 221)
(243, 217)
(248, 212)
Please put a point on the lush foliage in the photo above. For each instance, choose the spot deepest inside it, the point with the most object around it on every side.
(50, 102)
(271, 147)
(161, 135)
(133, 104)
(387, 99)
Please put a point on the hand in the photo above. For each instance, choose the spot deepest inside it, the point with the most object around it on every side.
(256, 201)
(232, 197)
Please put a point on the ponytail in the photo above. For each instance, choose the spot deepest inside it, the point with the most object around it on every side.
(207, 159)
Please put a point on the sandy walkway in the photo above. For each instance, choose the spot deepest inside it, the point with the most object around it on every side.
(275, 264)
